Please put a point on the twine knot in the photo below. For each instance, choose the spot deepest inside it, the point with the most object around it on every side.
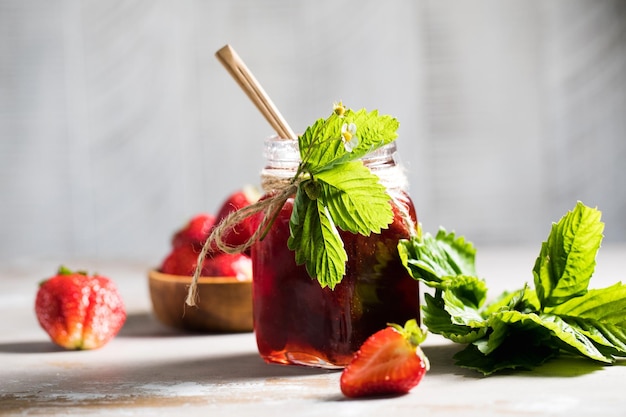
(269, 207)
(278, 190)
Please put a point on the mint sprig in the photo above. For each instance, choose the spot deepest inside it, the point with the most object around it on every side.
(526, 327)
(567, 259)
(336, 191)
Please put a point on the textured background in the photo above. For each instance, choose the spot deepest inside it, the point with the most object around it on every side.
(117, 123)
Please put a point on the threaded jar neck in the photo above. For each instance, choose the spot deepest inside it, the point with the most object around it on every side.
(283, 157)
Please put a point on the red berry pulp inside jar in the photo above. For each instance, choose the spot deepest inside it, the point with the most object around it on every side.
(298, 322)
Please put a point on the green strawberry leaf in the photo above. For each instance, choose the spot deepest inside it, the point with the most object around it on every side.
(430, 259)
(355, 199)
(316, 241)
(470, 291)
(337, 191)
(439, 321)
(321, 145)
(460, 311)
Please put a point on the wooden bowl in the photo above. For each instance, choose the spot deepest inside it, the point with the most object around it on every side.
(224, 304)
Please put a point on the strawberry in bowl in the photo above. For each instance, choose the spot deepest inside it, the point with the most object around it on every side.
(225, 285)
(240, 233)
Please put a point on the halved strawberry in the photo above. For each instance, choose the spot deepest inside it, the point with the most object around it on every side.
(389, 362)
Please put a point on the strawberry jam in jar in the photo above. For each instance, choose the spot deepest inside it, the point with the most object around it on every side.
(298, 322)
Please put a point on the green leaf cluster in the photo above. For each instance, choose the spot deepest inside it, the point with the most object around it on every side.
(525, 327)
(336, 191)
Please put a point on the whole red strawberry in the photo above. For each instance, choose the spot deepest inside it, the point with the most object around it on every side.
(181, 260)
(79, 311)
(389, 362)
(236, 265)
(195, 232)
(240, 233)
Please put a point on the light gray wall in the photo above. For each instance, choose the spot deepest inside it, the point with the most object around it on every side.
(117, 123)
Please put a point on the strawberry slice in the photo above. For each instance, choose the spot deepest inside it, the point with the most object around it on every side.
(389, 362)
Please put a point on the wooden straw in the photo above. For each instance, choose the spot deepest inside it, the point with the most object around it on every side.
(238, 70)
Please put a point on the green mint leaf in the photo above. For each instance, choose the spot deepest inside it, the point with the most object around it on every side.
(499, 330)
(523, 328)
(355, 199)
(513, 353)
(566, 337)
(430, 259)
(316, 241)
(599, 314)
(608, 338)
(523, 300)
(607, 305)
(322, 147)
(568, 257)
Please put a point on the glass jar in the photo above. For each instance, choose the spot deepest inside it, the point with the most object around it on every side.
(298, 322)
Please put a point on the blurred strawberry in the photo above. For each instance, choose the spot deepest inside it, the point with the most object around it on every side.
(237, 265)
(79, 311)
(195, 232)
(240, 233)
(182, 260)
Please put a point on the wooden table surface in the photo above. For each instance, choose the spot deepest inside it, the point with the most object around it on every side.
(151, 370)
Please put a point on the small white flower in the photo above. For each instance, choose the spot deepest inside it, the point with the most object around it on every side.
(349, 137)
(339, 108)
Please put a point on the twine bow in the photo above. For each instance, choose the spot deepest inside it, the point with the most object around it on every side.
(279, 190)
(270, 207)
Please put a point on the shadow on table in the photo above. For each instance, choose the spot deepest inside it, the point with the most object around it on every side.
(137, 325)
(144, 324)
(30, 347)
(442, 362)
(223, 368)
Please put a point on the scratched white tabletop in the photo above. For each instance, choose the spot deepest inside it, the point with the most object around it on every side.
(151, 370)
